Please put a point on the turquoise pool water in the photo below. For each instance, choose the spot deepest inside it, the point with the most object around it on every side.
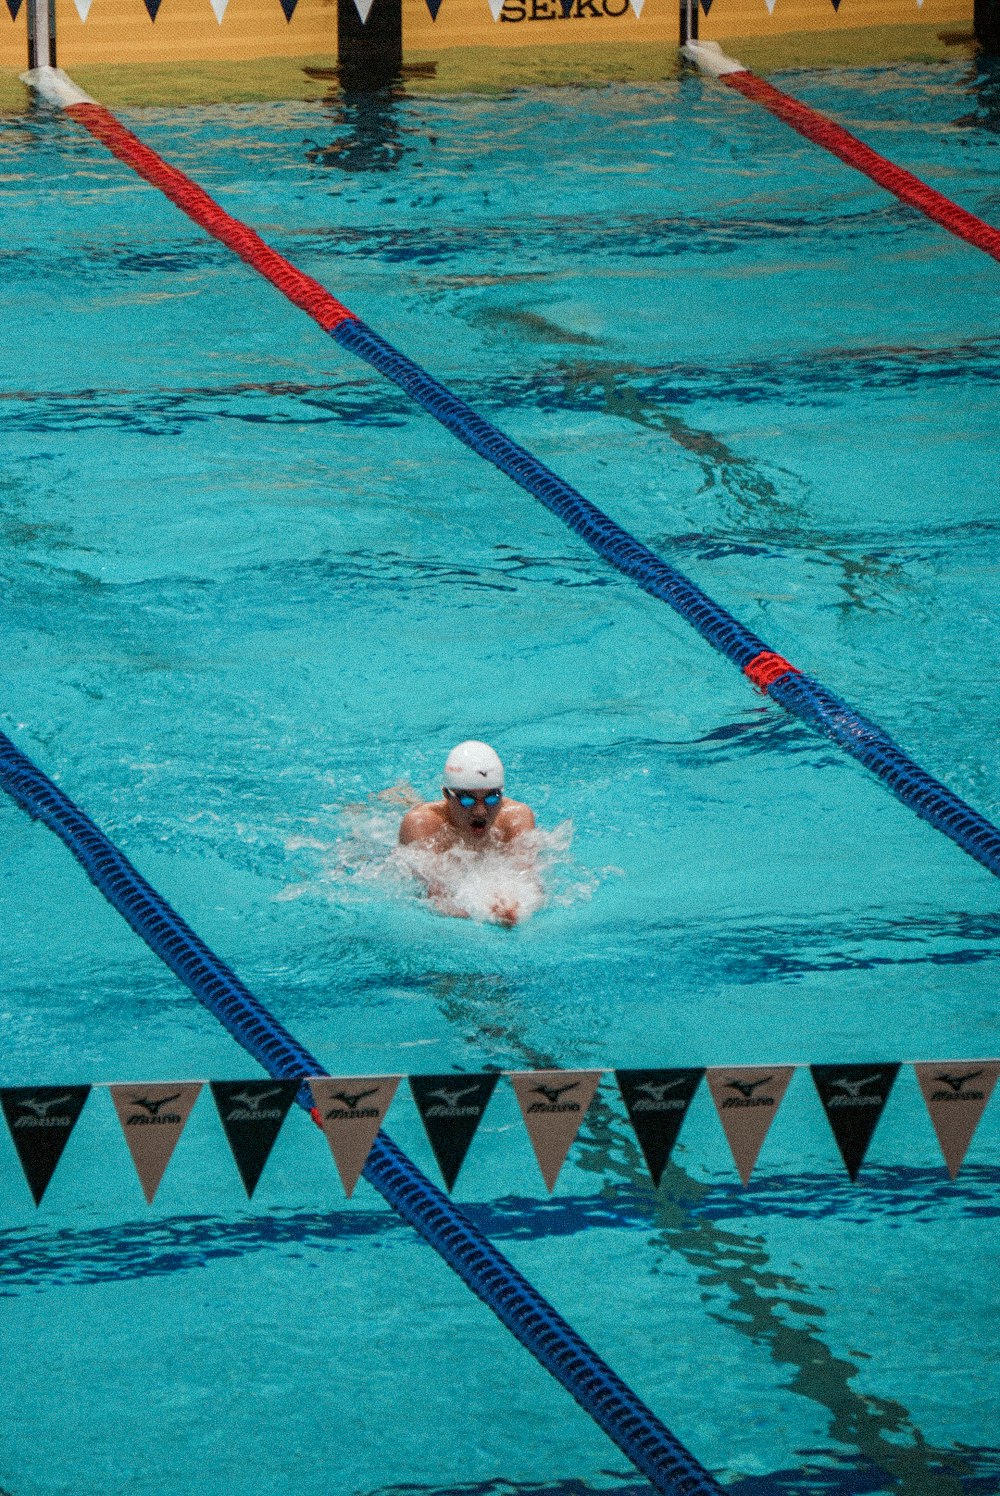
(248, 588)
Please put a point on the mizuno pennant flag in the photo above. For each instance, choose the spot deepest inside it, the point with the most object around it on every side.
(451, 1107)
(956, 1096)
(853, 1097)
(350, 1111)
(152, 1118)
(553, 1104)
(657, 1103)
(41, 1119)
(747, 1098)
(251, 1113)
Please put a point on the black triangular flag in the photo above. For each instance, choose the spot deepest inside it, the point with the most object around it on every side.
(13, 6)
(451, 1108)
(434, 6)
(252, 1111)
(853, 1098)
(41, 1119)
(657, 1103)
(566, 7)
(706, 6)
(153, 7)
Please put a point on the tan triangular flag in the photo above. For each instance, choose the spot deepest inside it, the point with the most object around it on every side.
(152, 1118)
(956, 1094)
(553, 1104)
(746, 1098)
(350, 1111)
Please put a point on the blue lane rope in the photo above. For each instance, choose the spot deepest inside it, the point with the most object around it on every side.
(799, 694)
(636, 1430)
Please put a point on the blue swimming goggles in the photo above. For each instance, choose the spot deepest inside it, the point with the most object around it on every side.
(468, 798)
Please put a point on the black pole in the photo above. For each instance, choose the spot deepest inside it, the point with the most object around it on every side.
(986, 21)
(369, 52)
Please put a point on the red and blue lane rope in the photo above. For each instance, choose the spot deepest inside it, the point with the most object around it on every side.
(797, 692)
(636, 1430)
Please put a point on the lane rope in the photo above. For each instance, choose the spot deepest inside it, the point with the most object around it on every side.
(825, 132)
(798, 693)
(638, 1433)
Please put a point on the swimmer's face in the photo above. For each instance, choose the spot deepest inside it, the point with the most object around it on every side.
(472, 812)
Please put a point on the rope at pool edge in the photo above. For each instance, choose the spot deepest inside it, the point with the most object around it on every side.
(799, 694)
(613, 1405)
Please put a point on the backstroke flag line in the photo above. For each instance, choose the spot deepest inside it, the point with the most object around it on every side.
(152, 1118)
(956, 1096)
(553, 1104)
(41, 1119)
(747, 1098)
(252, 1113)
(853, 1097)
(451, 1106)
(350, 1111)
(657, 1103)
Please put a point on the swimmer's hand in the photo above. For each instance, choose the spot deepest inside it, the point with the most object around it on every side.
(505, 912)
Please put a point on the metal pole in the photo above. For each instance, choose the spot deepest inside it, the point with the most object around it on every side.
(41, 33)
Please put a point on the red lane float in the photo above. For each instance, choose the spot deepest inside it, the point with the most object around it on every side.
(192, 200)
(767, 667)
(709, 58)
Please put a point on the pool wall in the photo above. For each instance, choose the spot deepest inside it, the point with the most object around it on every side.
(624, 37)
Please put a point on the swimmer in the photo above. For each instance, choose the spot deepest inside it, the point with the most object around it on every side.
(474, 815)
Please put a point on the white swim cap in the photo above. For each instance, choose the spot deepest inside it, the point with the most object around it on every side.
(473, 766)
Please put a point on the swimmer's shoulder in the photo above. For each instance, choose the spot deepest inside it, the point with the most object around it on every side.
(515, 818)
(423, 823)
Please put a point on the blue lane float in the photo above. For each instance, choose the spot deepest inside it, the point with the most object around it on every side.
(613, 1405)
(798, 693)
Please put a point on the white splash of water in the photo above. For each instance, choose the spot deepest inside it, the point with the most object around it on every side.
(492, 885)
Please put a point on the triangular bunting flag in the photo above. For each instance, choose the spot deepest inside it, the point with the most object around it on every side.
(41, 1119)
(836, 4)
(153, 1118)
(853, 1098)
(657, 1103)
(219, 8)
(83, 8)
(451, 1108)
(496, 6)
(770, 6)
(553, 1104)
(363, 8)
(747, 1098)
(14, 6)
(706, 6)
(288, 6)
(637, 7)
(434, 6)
(566, 7)
(251, 1113)
(153, 7)
(350, 1111)
(956, 1097)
